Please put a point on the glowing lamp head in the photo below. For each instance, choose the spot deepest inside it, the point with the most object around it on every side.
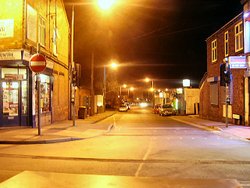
(105, 4)
(147, 79)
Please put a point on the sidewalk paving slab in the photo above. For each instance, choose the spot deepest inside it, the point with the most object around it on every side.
(62, 131)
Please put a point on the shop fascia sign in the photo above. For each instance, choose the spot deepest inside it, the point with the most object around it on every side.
(6, 28)
(11, 55)
(237, 62)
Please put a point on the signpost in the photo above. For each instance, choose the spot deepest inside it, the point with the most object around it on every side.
(37, 65)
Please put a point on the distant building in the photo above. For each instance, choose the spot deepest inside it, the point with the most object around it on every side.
(225, 45)
(25, 25)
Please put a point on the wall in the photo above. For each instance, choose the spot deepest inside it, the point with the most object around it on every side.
(13, 10)
(215, 112)
(191, 97)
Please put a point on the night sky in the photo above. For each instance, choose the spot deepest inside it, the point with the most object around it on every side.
(160, 39)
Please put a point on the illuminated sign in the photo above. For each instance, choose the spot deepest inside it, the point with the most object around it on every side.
(237, 62)
(6, 28)
(186, 83)
(10, 55)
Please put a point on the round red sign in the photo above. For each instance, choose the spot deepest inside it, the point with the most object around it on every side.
(37, 63)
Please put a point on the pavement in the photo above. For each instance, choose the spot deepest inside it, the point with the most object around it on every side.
(64, 131)
(236, 131)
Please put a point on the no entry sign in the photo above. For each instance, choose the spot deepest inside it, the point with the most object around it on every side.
(37, 63)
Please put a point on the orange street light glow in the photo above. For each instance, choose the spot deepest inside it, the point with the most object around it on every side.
(105, 4)
(113, 65)
(147, 79)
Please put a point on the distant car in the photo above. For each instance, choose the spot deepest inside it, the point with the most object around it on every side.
(167, 110)
(123, 108)
(156, 108)
(128, 105)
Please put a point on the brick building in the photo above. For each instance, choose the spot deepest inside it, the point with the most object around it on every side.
(228, 41)
(26, 27)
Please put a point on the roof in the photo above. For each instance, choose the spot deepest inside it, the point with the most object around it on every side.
(227, 25)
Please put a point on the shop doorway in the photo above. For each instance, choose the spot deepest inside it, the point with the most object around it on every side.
(10, 107)
(13, 105)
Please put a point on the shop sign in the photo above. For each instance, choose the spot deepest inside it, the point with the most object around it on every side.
(6, 28)
(13, 76)
(237, 62)
(10, 55)
(26, 55)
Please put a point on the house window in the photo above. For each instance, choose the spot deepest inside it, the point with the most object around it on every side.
(31, 23)
(214, 96)
(238, 37)
(55, 41)
(226, 45)
(42, 31)
(214, 50)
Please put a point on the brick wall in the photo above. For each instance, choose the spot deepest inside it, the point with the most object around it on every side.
(215, 112)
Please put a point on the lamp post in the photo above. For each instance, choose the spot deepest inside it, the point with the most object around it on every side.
(113, 65)
(103, 5)
(151, 89)
(124, 86)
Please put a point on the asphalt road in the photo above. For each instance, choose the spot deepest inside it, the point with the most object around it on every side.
(141, 144)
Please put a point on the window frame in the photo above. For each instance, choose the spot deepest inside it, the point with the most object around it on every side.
(41, 27)
(239, 38)
(214, 93)
(226, 43)
(214, 50)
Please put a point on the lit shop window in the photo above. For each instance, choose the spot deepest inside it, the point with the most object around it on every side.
(24, 97)
(14, 73)
(45, 93)
(238, 37)
(10, 98)
(226, 45)
(214, 50)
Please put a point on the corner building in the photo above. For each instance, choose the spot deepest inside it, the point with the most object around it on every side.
(26, 27)
(225, 43)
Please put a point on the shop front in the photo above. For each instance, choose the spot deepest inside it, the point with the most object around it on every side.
(14, 95)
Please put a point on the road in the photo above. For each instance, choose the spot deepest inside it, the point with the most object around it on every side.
(141, 144)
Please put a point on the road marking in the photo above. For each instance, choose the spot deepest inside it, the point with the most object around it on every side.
(144, 158)
(244, 184)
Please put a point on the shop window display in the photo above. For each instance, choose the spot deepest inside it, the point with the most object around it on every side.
(10, 98)
(45, 93)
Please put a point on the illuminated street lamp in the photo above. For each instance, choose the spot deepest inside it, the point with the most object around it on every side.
(152, 82)
(113, 65)
(124, 86)
(105, 4)
(130, 89)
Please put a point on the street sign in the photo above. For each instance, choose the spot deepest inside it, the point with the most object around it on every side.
(37, 63)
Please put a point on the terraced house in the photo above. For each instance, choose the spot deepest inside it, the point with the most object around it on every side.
(228, 45)
(26, 27)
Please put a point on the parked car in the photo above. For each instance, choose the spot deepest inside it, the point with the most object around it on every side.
(123, 108)
(166, 110)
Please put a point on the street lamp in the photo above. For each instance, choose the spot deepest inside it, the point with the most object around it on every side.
(113, 65)
(124, 86)
(104, 5)
(152, 82)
